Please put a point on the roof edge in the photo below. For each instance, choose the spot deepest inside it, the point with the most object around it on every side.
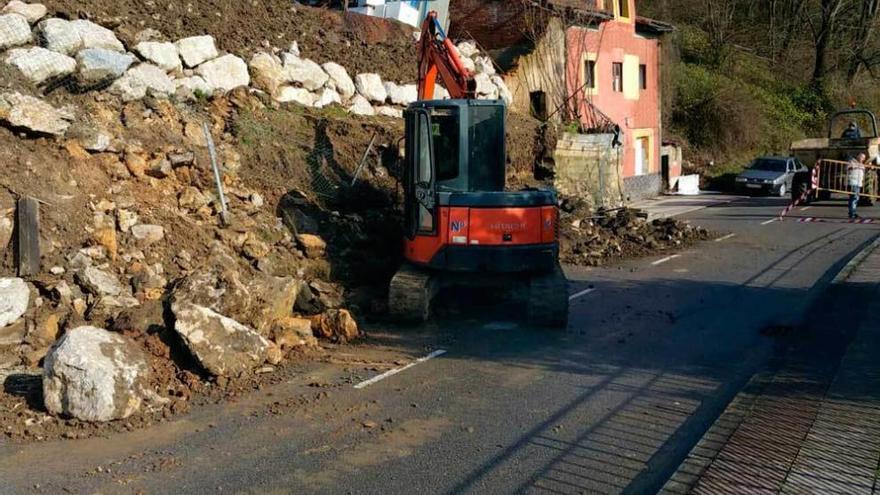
(654, 25)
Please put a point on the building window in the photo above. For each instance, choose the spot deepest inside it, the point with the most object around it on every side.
(538, 103)
(617, 77)
(590, 74)
(623, 8)
(643, 76)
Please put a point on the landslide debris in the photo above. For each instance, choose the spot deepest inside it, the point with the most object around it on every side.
(592, 238)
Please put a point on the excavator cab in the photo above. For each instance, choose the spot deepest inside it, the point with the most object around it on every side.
(455, 146)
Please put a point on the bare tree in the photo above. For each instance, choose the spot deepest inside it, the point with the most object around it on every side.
(864, 26)
(719, 25)
(824, 23)
(786, 20)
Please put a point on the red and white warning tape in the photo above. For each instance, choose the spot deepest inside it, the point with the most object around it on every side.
(814, 183)
(835, 220)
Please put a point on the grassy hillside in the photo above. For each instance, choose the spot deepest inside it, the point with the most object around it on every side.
(730, 97)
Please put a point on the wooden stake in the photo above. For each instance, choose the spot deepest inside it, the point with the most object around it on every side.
(28, 236)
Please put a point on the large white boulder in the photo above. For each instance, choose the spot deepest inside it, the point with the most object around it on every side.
(469, 64)
(14, 297)
(484, 65)
(59, 36)
(33, 114)
(222, 345)
(96, 65)
(370, 87)
(95, 375)
(401, 95)
(196, 50)
(227, 72)
(14, 31)
(297, 95)
(33, 12)
(141, 80)
(163, 54)
(387, 111)
(305, 72)
(95, 36)
(468, 49)
(193, 87)
(361, 106)
(326, 97)
(339, 79)
(267, 72)
(503, 91)
(485, 87)
(39, 64)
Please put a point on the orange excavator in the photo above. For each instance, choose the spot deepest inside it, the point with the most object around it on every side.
(462, 227)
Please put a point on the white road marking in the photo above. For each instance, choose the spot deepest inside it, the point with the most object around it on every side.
(728, 236)
(805, 208)
(395, 371)
(664, 260)
(769, 221)
(580, 294)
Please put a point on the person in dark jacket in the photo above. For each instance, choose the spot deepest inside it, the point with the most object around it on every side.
(852, 132)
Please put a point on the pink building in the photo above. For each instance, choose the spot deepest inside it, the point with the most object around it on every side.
(593, 62)
(616, 69)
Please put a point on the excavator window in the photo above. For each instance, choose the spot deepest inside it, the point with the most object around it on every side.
(486, 155)
(445, 132)
(425, 175)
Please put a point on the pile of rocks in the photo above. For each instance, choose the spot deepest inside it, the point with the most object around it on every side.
(588, 238)
(490, 85)
(85, 56)
(257, 295)
(232, 321)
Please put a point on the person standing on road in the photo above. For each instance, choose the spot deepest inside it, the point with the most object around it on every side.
(855, 173)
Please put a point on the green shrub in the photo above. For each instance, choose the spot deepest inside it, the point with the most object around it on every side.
(694, 45)
(714, 112)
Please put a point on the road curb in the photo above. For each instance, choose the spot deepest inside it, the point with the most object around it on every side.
(854, 263)
(704, 453)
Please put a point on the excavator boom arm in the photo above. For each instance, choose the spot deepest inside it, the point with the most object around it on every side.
(438, 57)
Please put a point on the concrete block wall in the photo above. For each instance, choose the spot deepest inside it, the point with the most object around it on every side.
(643, 186)
(587, 167)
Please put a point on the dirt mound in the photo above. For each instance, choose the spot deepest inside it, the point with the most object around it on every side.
(592, 238)
(360, 43)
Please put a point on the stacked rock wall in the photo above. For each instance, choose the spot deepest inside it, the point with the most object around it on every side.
(84, 56)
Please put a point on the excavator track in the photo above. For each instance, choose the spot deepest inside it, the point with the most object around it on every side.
(410, 294)
(548, 300)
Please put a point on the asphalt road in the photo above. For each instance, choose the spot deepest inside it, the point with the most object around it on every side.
(655, 350)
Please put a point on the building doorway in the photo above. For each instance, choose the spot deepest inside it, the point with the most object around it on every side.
(643, 164)
(538, 104)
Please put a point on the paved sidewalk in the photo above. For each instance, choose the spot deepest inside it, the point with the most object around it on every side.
(674, 205)
(812, 425)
